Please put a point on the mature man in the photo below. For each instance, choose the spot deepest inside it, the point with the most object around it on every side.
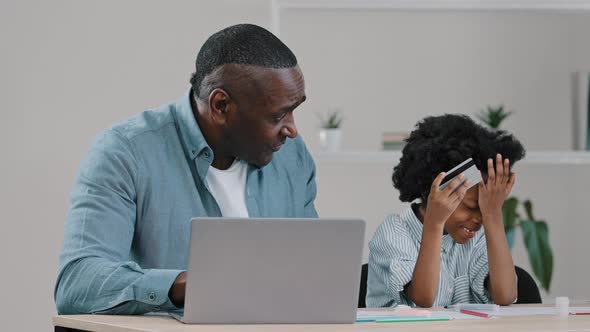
(229, 147)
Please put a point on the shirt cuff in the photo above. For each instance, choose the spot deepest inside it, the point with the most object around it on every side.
(154, 288)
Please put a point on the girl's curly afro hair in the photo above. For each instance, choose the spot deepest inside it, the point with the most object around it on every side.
(440, 143)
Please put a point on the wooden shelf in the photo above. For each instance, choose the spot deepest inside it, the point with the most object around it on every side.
(532, 157)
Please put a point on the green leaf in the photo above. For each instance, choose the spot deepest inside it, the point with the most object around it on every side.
(509, 214)
(493, 116)
(528, 208)
(333, 120)
(536, 239)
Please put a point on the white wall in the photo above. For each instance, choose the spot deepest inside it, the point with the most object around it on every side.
(387, 69)
(71, 68)
(68, 70)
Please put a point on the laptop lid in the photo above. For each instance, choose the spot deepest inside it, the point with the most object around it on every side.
(285, 271)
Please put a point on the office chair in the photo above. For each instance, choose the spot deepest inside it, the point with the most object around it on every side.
(528, 291)
(363, 288)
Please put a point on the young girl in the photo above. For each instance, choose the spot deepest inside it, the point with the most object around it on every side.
(436, 252)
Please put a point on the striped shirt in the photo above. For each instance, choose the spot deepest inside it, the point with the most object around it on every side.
(393, 252)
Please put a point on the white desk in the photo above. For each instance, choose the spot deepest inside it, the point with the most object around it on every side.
(167, 324)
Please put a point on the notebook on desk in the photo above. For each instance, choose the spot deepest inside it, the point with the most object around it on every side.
(265, 271)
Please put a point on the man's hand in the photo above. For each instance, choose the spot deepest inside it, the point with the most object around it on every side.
(178, 289)
(442, 203)
(494, 192)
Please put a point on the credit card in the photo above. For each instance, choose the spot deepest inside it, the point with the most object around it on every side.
(468, 168)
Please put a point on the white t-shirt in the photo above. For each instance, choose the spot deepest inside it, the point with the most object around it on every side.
(229, 188)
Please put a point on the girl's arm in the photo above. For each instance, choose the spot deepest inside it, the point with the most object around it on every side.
(502, 282)
(423, 288)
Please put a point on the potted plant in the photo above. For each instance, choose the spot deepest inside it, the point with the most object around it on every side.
(535, 232)
(331, 133)
(493, 116)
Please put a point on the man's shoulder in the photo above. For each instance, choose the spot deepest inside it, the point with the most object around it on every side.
(152, 121)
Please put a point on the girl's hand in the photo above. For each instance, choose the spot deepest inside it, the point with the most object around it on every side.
(442, 203)
(494, 192)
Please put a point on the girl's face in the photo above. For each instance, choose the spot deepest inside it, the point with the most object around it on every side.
(466, 220)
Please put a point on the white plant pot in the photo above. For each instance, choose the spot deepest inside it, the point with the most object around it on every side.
(330, 139)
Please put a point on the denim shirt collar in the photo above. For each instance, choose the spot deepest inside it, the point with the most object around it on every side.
(416, 227)
(192, 136)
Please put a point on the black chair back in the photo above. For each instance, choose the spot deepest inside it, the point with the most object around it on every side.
(528, 291)
(363, 288)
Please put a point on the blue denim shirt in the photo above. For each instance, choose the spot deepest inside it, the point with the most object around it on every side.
(127, 232)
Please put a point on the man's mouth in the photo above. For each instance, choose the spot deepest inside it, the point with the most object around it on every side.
(277, 147)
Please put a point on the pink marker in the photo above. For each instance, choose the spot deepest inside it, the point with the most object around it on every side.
(475, 313)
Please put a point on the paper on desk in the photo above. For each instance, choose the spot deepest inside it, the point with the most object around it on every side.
(532, 311)
(454, 315)
(365, 314)
(579, 309)
(374, 314)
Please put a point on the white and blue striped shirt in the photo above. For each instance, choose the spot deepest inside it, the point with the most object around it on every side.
(393, 252)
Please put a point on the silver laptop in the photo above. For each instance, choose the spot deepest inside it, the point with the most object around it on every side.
(265, 271)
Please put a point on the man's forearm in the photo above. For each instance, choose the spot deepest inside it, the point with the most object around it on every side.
(95, 285)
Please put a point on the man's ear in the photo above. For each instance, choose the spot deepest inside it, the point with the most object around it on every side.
(219, 105)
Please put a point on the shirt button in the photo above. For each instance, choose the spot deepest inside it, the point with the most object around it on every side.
(152, 296)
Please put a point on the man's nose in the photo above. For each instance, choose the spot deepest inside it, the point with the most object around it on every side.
(289, 129)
